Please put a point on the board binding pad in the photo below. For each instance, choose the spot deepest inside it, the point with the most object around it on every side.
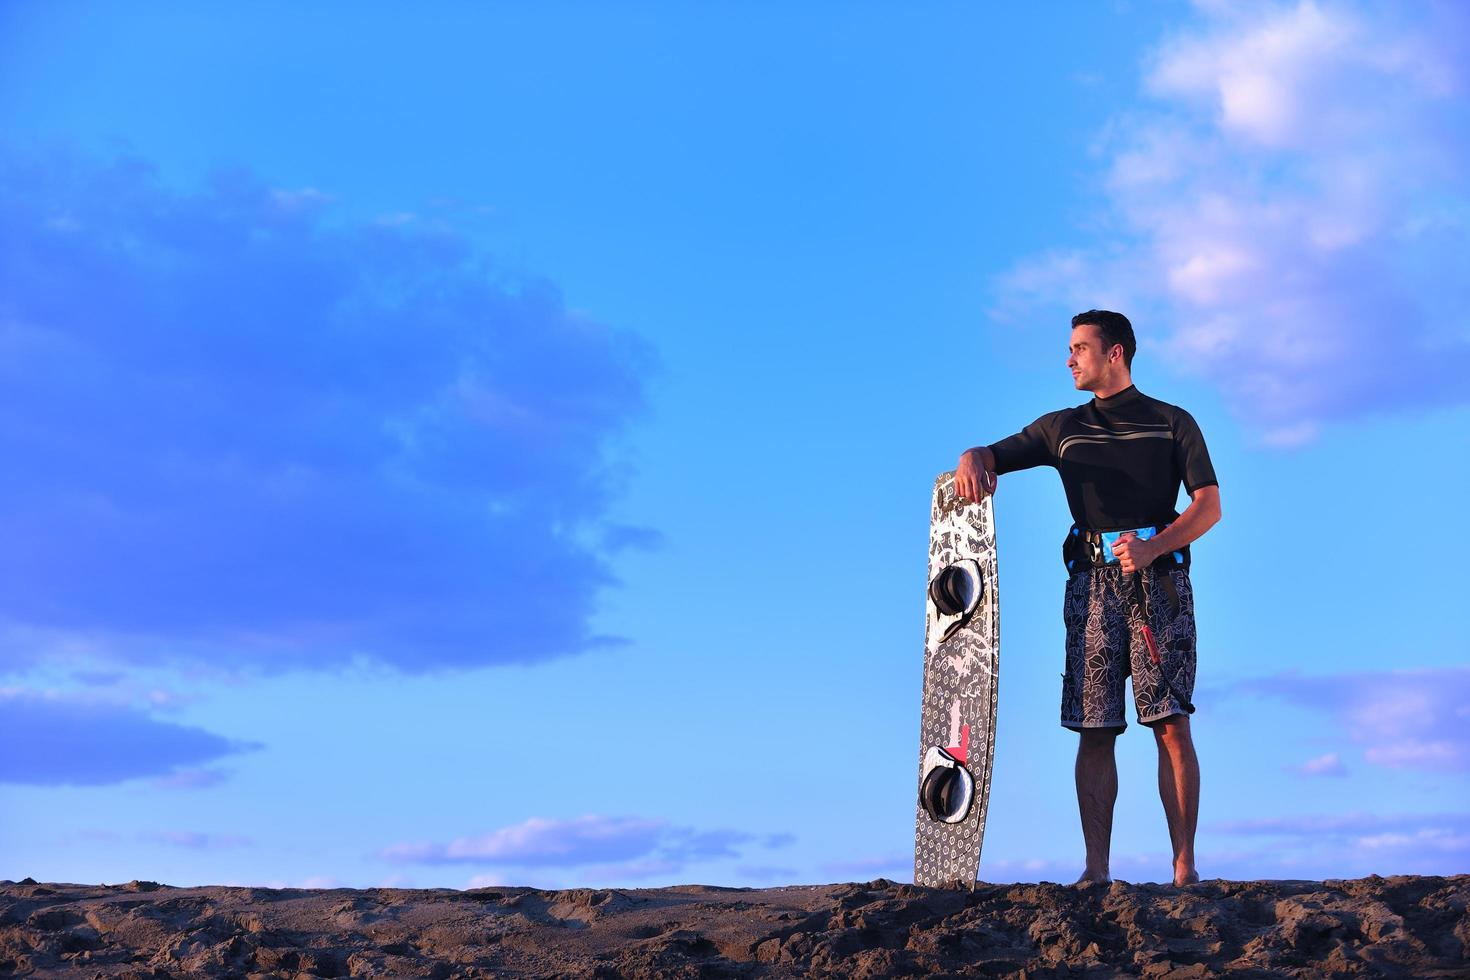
(961, 666)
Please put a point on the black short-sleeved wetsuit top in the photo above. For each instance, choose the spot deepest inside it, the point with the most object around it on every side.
(1121, 459)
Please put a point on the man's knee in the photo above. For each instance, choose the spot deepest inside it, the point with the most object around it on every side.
(1097, 741)
(1172, 732)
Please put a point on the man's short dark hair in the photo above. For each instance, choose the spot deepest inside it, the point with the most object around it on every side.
(1114, 328)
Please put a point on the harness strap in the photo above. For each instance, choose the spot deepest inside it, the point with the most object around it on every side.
(1086, 548)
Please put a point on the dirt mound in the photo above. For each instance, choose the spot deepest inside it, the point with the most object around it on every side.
(1407, 926)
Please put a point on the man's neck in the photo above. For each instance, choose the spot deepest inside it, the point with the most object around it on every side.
(1110, 388)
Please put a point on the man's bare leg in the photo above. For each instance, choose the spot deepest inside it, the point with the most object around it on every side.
(1179, 789)
(1097, 790)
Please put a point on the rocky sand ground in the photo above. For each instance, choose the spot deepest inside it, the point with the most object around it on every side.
(1404, 926)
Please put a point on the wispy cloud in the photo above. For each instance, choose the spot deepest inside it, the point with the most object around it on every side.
(1344, 845)
(193, 840)
(1313, 846)
(475, 881)
(55, 740)
(196, 840)
(1338, 825)
(194, 778)
(1409, 719)
(689, 844)
(1288, 208)
(583, 840)
(626, 537)
(320, 881)
(767, 874)
(92, 836)
(1327, 764)
(603, 847)
(239, 429)
(1124, 867)
(899, 867)
(653, 867)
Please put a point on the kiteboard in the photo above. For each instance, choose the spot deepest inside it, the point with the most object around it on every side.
(961, 666)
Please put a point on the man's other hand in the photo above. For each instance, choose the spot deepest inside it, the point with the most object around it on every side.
(1134, 553)
(974, 475)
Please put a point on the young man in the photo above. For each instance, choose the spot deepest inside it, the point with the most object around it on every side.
(1129, 607)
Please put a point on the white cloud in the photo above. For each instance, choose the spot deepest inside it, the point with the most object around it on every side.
(1267, 74)
(1289, 212)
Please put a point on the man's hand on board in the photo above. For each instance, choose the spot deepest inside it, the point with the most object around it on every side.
(974, 474)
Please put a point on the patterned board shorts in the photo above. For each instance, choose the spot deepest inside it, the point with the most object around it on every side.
(1104, 646)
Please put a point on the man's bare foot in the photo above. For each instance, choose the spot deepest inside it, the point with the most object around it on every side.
(1185, 876)
(1093, 877)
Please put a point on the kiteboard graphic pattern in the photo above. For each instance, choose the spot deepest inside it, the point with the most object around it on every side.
(959, 686)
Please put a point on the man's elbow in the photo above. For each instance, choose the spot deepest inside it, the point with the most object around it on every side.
(1210, 500)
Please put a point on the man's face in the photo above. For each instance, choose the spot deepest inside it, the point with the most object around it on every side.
(1086, 359)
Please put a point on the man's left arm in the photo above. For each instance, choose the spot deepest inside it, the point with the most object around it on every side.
(1202, 514)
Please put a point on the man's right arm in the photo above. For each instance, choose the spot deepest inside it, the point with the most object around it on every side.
(976, 472)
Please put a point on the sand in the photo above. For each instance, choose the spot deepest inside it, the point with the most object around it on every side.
(1403, 926)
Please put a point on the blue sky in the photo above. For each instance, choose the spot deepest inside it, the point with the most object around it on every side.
(494, 445)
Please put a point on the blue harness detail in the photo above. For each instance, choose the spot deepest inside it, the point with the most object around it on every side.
(1095, 548)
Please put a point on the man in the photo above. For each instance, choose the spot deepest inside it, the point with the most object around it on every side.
(1129, 607)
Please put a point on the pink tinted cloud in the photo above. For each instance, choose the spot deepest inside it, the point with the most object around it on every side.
(581, 840)
(1329, 764)
(1340, 845)
(1408, 719)
(605, 847)
(193, 778)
